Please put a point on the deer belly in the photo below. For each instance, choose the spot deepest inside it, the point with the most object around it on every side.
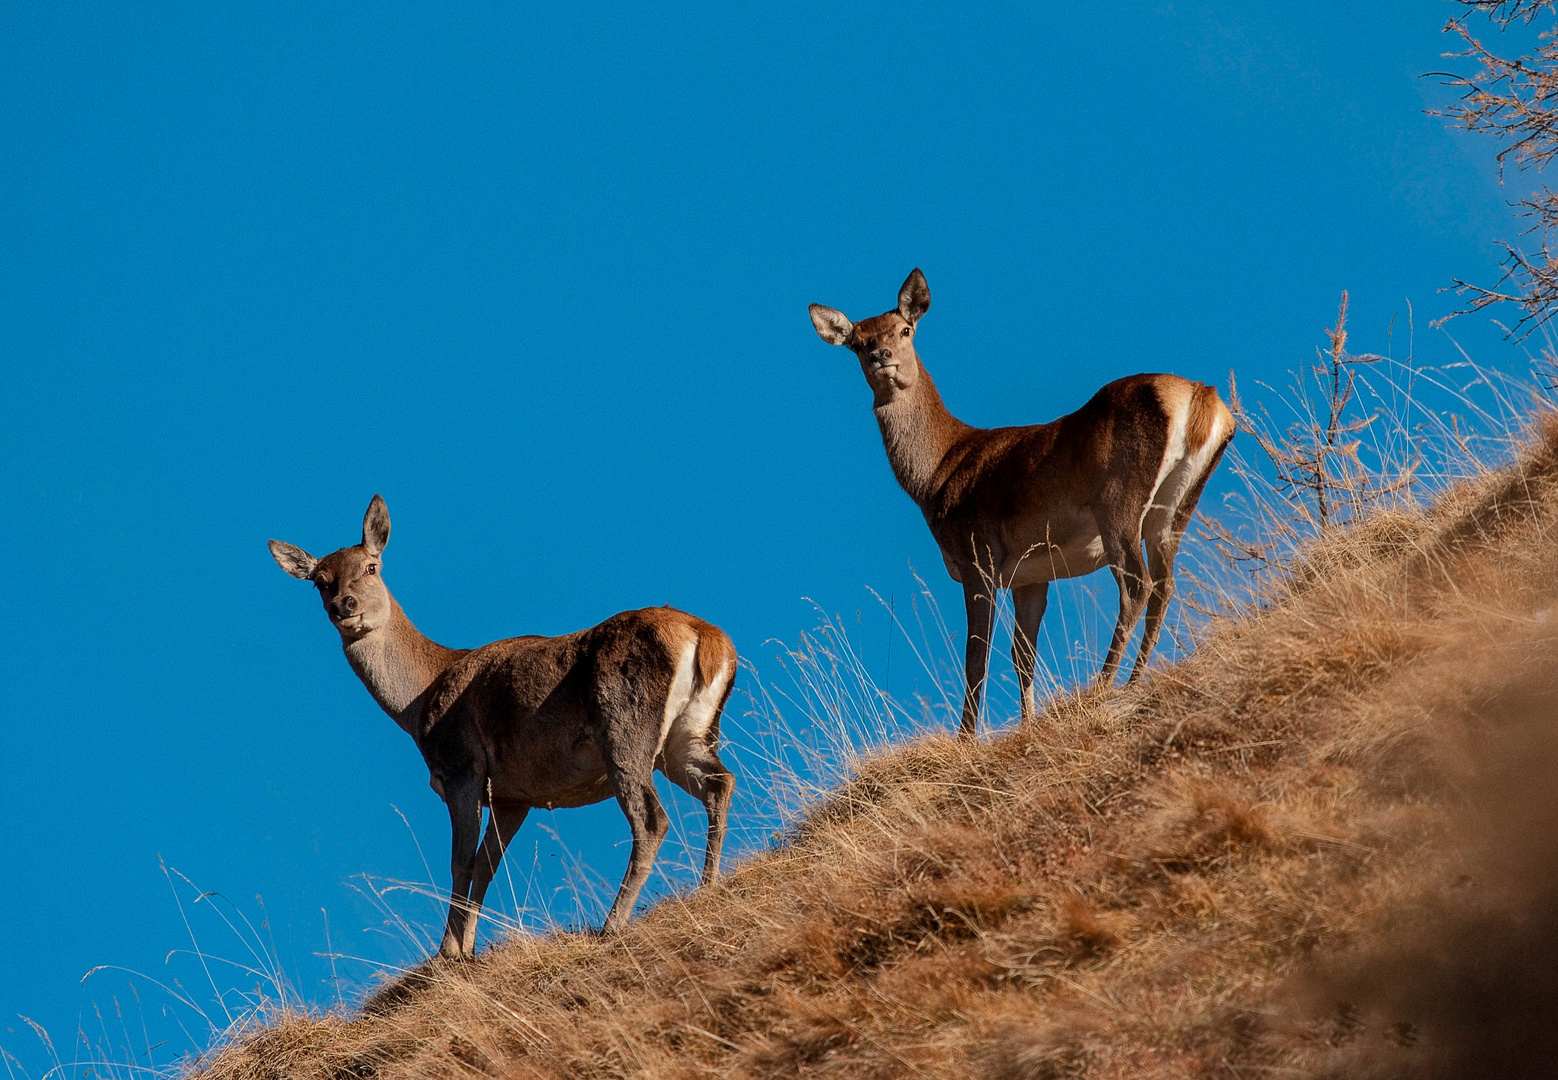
(567, 775)
(1072, 556)
(583, 795)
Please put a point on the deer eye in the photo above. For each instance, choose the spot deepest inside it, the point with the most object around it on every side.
(373, 568)
(905, 331)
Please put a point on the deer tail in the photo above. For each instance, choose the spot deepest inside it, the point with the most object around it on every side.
(716, 658)
(1209, 418)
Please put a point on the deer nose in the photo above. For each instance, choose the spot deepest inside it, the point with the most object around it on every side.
(345, 605)
(883, 353)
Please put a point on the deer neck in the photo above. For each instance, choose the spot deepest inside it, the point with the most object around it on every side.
(398, 663)
(917, 431)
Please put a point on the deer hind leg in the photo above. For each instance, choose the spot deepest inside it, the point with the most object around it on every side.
(1121, 508)
(1162, 531)
(691, 761)
(1030, 602)
(1130, 574)
(693, 765)
(1161, 539)
(503, 820)
(635, 789)
(463, 797)
(1120, 529)
(979, 602)
(631, 716)
(1161, 550)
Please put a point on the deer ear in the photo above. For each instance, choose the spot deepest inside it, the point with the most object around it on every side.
(375, 526)
(914, 297)
(294, 560)
(831, 325)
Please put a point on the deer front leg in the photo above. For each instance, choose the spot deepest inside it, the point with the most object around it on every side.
(503, 821)
(464, 801)
(1030, 602)
(979, 602)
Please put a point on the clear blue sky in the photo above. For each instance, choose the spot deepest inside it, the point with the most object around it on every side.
(541, 279)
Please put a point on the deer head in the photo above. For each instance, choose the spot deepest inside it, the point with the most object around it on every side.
(348, 580)
(884, 344)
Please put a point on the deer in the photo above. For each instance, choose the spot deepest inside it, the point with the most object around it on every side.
(1019, 507)
(536, 721)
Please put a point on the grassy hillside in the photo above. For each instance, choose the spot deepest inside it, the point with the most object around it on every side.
(1306, 849)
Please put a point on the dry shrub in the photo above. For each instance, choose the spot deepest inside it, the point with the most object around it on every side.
(1050, 1050)
(1204, 819)
(1092, 932)
(809, 1039)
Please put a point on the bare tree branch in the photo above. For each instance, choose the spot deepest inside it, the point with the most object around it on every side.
(1515, 100)
(1505, 12)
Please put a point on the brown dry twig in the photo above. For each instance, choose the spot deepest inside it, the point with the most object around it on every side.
(1316, 460)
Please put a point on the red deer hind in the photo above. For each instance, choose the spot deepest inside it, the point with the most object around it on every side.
(1019, 507)
(537, 721)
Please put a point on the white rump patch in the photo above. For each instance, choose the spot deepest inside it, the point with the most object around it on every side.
(1174, 446)
(1180, 469)
(680, 695)
(691, 726)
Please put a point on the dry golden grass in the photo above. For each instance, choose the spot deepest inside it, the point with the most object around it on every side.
(1201, 875)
